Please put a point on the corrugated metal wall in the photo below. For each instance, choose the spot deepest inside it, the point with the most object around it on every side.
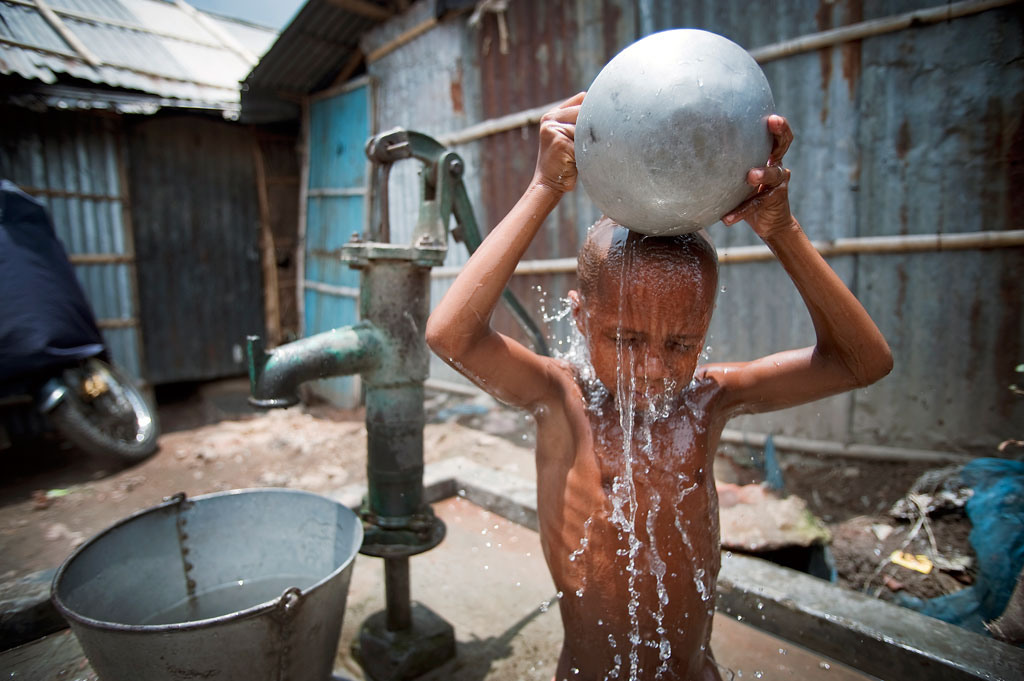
(917, 131)
(335, 208)
(72, 162)
(197, 228)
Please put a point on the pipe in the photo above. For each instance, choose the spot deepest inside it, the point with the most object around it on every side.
(397, 594)
(275, 376)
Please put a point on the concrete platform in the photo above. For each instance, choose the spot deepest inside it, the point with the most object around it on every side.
(488, 579)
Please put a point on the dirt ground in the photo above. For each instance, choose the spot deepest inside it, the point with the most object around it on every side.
(54, 497)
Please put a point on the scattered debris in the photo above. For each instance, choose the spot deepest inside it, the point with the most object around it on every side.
(996, 512)
(43, 499)
(940, 490)
(59, 531)
(918, 563)
(754, 519)
(881, 531)
(892, 583)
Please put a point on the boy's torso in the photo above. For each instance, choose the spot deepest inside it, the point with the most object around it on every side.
(629, 527)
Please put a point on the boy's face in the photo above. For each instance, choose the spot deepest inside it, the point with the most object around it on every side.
(646, 334)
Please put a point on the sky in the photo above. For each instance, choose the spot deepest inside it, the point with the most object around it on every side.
(270, 13)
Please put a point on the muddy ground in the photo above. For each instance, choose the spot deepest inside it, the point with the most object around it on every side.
(54, 497)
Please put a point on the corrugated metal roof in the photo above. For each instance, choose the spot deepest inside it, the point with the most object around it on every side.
(322, 38)
(166, 49)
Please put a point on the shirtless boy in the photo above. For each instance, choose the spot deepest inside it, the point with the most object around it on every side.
(626, 499)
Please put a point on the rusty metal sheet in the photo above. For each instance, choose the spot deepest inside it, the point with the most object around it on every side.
(70, 161)
(196, 218)
(912, 132)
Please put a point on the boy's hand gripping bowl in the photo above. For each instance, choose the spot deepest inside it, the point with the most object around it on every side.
(669, 129)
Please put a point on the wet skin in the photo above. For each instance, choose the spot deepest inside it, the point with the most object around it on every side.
(644, 338)
(599, 452)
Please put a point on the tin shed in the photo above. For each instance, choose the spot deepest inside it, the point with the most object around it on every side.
(906, 168)
(122, 116)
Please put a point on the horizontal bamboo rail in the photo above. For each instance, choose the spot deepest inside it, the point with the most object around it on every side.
(903, 243)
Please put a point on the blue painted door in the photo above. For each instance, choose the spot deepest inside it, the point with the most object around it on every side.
(336, 207)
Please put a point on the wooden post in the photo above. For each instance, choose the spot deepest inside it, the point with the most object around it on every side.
(271, 294)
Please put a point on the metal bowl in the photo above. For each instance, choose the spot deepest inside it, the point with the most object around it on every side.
(669, 129)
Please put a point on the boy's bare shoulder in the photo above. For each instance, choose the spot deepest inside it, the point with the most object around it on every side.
(565, 384)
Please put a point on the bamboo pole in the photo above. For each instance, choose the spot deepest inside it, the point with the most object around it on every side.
(873, 27)
(101, 258)
(852, 450)
(766, 53)
(402, 39)
(268, 261)
(226, 39)
(363, 8)
(495, 125)
(795, 444)
(300, 249)
(81, 51)
(903, 243)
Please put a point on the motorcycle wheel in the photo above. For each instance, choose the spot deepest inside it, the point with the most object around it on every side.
(104, 414)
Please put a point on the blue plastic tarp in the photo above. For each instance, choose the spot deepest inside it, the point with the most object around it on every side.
(996, 512)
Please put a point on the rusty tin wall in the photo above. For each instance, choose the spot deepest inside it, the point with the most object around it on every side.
(917, 131)
(72, 162)
(197, 225)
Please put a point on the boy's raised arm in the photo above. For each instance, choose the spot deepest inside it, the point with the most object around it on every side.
(850, 351)
(459, 329)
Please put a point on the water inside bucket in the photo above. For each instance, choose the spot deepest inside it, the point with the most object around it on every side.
(227, 599)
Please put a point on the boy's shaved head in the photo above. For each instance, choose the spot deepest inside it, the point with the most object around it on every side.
(611, 252)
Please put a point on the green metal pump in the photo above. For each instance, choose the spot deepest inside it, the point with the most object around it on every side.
(387, 348)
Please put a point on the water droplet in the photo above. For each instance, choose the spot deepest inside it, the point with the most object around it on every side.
(758, 674)
(760, 605)
(723, 288)
(824, 665)
(545, 605)
(782, 651)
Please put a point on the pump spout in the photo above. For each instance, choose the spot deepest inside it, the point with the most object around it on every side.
(275, 376)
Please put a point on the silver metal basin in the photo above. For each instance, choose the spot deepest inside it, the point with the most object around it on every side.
(248, 585)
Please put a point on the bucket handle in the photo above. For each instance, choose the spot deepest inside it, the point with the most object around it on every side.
(289, 600)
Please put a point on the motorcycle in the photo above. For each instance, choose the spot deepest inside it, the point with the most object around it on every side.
(52, 354)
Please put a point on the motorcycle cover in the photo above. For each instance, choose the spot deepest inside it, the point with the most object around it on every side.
(45, 319)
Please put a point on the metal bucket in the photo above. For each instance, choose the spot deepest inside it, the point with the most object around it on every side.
(247, 585)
